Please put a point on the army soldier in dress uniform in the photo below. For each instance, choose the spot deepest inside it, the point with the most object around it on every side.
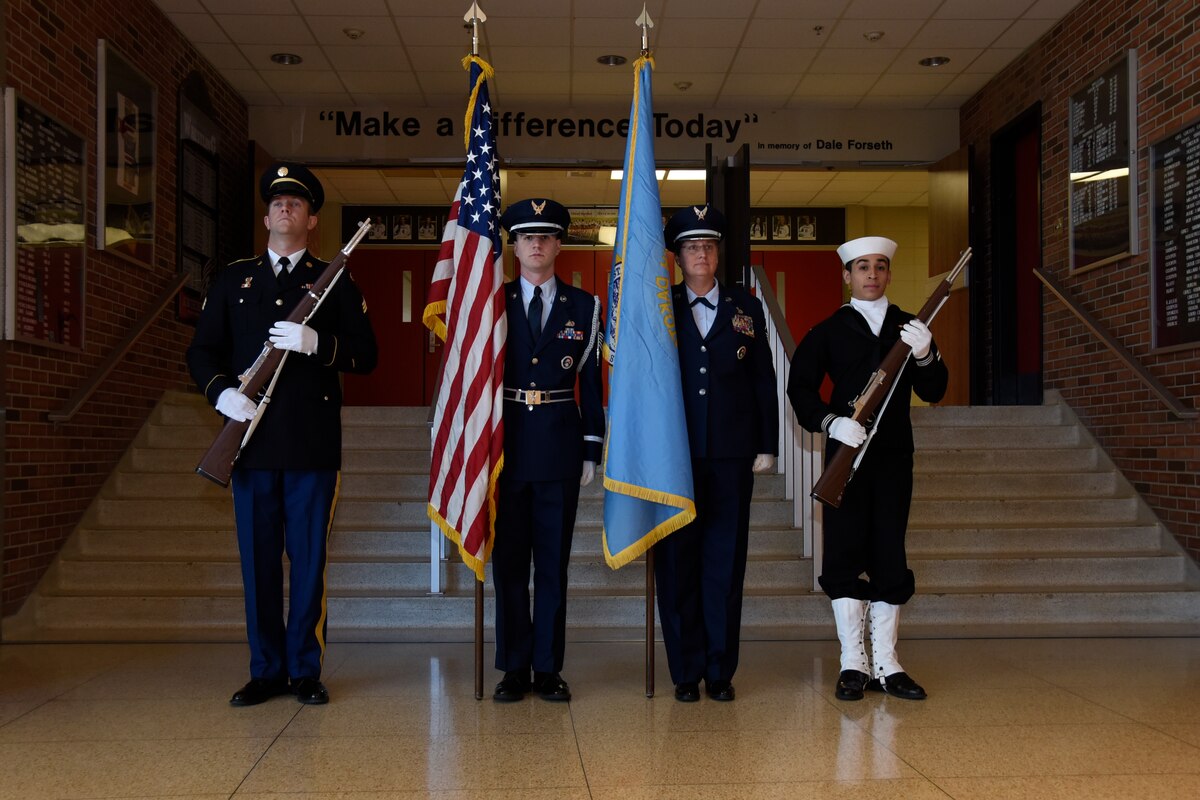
(733, 427)
(551, 448)
(286, 479)
(865, 535)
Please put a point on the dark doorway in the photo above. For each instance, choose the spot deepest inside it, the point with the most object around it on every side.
(1016, 238)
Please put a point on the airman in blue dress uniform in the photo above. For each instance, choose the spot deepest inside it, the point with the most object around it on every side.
(733, 429)
(285, 481)
(865, 534)
(551, 447)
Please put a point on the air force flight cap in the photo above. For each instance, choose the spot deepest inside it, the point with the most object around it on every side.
(536, 215)
(867, 246)
(694, 222)
(293, 179)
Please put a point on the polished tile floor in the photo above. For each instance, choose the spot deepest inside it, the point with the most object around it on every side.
(1022, 718)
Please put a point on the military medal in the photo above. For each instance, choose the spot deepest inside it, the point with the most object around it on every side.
(744, 324)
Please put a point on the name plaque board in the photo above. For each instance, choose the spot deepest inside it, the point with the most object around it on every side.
(1175, 239)
(1102, 188)
(50, 163)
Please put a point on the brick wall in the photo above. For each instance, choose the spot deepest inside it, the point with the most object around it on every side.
(52, 472)
(1158, 454)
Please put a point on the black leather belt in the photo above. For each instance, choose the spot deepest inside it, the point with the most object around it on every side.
(537, 397)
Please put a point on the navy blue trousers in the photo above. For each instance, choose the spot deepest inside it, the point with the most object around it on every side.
(699, 570)
(280, 511)
(532, 518)
(865, 535)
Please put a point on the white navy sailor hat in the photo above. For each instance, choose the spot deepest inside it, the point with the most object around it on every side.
(867, 246)
(694, 222)
(536, 215)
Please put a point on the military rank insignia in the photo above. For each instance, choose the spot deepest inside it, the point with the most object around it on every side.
(744, 324)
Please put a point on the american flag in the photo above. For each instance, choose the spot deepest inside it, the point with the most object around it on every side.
(466, 309)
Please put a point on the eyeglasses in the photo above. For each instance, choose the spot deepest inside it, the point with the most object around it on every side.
(695, 248)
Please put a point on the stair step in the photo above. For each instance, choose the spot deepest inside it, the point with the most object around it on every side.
(994, 437)
(1020, 511)
(1031, 541)
(978, 460)
(1013, 485)
(988, 416)
(949, 574)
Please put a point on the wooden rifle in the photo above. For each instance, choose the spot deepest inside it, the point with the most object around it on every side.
(872, 401)
(258, 381)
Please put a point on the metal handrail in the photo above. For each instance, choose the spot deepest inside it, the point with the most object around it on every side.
(85, 391)
(1173, 403)
(800, 452)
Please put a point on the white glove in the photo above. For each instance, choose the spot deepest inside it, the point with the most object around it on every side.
(589, 472)
(916, 335)
(847, 431)
(236, 405)
(763, 462)
(294, 336)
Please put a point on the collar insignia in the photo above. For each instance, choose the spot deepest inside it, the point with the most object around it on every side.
(246, 283)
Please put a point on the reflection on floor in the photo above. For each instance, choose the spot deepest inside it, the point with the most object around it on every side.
(1090, 718)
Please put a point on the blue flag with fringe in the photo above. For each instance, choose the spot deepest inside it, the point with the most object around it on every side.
(647, 463)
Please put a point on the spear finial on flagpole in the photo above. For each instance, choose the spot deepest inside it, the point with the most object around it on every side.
(475, 16)
(645, 23)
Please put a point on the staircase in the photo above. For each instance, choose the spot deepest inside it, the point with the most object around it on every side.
(1020, 527)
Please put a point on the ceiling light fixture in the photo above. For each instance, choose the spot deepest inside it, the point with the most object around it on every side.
(683, 86)
(354, 34)
(934, 61)
(611, 60)
(873, 36)
(287, 59)
(687, 175)
(618, 174)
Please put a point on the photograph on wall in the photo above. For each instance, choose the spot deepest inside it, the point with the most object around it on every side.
(758, 228)
(402, 228)
(125, 144)
(806, 228)
(592, 226)
(781, 227)
(427, 228)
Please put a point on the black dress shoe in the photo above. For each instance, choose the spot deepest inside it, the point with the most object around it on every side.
(687, 692)
(550, 686)
(512, 688)
(719, 690)
(310, 691)
(259, 690)
(850, 685)
(898, 685)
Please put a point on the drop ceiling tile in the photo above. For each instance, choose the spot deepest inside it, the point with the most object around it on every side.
(223, 56)
(376, 31)
(368, 59)
(867, 61)
(1024, 32)
(276, 29)
(380, 82)
(197, 28)
(693, 59)
(259, 56)
(974, 9)
(551, 61)
(850, 33)
(787, 33)
(890, 9)
(771, 60)
(959, 33)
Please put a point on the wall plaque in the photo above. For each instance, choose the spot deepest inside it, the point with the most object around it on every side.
(1103, 161)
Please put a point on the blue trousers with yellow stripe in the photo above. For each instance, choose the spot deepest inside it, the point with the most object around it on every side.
(280, 511)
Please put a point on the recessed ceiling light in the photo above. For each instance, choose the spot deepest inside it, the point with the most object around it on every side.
(687, 175)
(873, 36)
(354, 34)
(611, 60)
(287, 59)
(934, 61)
(683, 86)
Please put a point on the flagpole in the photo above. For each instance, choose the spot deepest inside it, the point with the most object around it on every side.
(475, 16)
(645, 23)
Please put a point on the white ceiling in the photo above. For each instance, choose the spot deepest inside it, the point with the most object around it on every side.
(709, 54)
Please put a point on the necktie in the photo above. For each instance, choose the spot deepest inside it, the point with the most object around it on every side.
(284, 265)
(535, 313)
(703, 301)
